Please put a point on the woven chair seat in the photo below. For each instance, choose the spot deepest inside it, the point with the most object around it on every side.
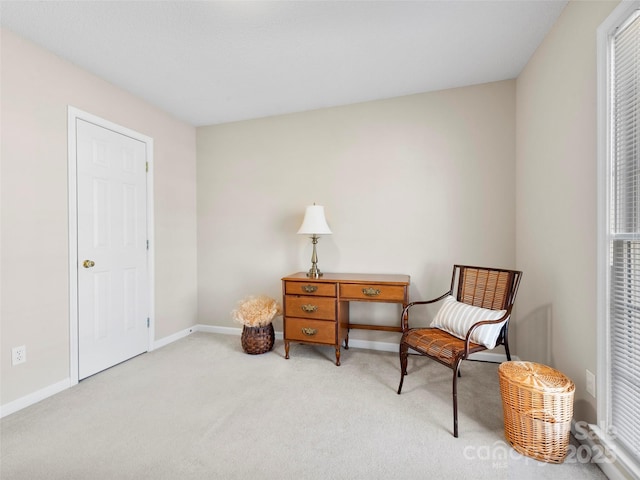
(438, 344)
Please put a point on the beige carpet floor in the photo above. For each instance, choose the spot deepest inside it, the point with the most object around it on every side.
(200, 408)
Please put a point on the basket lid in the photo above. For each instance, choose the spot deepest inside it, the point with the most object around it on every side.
(536, 376)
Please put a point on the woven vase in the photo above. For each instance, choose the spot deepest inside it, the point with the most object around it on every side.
(257, 340)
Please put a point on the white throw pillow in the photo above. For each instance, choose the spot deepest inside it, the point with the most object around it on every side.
(457, 318)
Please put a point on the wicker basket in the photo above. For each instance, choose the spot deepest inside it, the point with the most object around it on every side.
(257, 340)
(537, 402)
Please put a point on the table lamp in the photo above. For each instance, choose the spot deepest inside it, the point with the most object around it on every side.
(314, 224)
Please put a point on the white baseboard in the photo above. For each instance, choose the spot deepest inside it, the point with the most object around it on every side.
(215, 329)
(492, 357)
(172, 338)
(603, 451)
(34, 397)
(226, 330)
(380, 346)
(373, 345)
(355, 343)
(393, 347)
(58, 387)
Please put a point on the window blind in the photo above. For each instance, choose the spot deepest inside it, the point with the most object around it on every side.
(624, 246)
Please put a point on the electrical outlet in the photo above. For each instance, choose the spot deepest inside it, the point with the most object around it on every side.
(591, 384)
(18, 355)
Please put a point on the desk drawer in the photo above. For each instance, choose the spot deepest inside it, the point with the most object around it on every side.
(310, 307)
(305, 330)
(310, 288)
(363, 291)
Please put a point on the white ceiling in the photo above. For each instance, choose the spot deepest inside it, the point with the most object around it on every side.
(209, 62)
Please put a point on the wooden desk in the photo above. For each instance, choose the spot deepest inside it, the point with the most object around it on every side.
(316, 310)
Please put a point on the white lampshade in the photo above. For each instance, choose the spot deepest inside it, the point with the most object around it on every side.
(314, 222)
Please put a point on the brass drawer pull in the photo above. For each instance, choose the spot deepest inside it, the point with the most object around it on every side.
(308, 308)
(371, 292)
(309, 288)
(309, 332)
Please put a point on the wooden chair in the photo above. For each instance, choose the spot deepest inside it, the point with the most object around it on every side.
(487, 288)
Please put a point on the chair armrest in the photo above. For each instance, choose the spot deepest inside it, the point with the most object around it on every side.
(467, 339)
(404, 319)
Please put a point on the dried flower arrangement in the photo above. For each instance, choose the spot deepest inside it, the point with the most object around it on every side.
(257, 311)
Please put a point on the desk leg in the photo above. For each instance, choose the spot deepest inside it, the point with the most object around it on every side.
(337, 355)
(286, 350)
(343, 320)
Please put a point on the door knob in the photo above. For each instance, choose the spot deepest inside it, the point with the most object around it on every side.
(88, 263)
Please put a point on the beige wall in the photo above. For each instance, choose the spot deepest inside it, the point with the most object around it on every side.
(556, 198)
(500, 174)
(410, 185)
(37, 87)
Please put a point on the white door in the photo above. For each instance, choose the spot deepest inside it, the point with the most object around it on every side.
(112, 248)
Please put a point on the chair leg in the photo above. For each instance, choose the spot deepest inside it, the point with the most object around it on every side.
(506, 349)
(455, 398)
(404, 353)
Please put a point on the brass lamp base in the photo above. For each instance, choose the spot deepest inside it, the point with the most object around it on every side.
(314, 271)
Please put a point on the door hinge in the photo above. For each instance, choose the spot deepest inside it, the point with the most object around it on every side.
(147, 244)
(146, 166)
(148, 322)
